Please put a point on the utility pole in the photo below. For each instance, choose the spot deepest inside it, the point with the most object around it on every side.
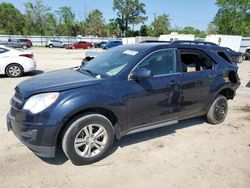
(154, 20)
(85, 11)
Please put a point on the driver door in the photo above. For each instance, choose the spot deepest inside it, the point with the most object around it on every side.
(157, 98)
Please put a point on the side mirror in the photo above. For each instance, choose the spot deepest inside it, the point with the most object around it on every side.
(141, 73)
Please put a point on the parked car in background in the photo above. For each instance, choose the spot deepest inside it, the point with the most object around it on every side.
(99, 44)
(16, 43)
(124, 90)
(247, 54)
(238, 57)
(79, 45)
(111, 44)
(14, 63)
(27, 41)
(55, 43)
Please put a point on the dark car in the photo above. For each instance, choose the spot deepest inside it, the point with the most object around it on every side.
(16, 43)
(122, 91)
(79, 45)
(27, 41)
(111, 44)
(238, 57)
(99, 44)
(247, 54)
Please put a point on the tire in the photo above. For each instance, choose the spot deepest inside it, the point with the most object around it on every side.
(50, 46)
(14, 70)
(240, 59)
(25, 47)
(79, 131)
(218, 110)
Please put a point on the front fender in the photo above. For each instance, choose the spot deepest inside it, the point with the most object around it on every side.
(74, 102)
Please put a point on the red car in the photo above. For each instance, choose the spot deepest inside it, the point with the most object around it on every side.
(27, 41)
(78, 45)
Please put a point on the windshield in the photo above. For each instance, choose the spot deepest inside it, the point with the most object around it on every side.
(110, 62)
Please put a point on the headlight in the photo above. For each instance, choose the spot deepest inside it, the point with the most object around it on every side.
(40, 102)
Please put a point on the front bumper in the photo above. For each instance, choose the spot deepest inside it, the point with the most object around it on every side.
(29, 135)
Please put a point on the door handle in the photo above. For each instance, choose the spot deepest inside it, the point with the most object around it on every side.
(212, 76)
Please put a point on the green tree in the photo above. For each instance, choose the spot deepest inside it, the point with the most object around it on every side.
(161, 25)
(37, 16)
(95, 23)
(51, 24)
(12, 21)
(129, 12)
(193, 31)
(66, 19)
(146, 30)
(212, 29)
(232, 17)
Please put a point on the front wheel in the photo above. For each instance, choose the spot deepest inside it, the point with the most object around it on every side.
(218, 110)
(88, 139)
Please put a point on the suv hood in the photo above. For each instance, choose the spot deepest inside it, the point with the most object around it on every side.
(55, 81)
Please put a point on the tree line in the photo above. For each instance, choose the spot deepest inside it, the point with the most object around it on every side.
(233, 17)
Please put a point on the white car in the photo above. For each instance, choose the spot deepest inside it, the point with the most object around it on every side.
(14, 63)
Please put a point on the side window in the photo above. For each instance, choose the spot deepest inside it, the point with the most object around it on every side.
(160, 62)
(2, 50)
(195, 60)
(224, 56)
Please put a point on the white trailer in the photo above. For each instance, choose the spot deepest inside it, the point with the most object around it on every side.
(230, 41)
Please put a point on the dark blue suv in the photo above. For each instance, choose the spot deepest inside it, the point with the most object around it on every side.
(124, 90)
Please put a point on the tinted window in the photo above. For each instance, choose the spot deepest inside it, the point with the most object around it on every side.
(224, 56)
(195, 60)
(161, 62)
(2, 50)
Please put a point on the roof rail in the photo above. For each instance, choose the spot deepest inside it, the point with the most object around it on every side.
(195, 42)
(154, 41)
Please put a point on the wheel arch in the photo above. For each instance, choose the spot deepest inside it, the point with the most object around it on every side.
(97, 110)
(228, 93)
(5, 69)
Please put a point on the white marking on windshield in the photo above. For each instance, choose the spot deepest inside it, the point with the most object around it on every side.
(130, 52)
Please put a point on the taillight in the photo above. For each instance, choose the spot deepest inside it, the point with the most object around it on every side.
(27, 55)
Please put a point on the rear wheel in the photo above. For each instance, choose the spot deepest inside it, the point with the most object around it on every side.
(14, 70)
(88, 139)
(25, 47)
(218, 110)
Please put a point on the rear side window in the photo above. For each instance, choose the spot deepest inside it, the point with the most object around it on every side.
(195, 60)
(2, 50)
(161, 62)
(224, 56)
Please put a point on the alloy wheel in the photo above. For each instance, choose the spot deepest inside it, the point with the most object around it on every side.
(90, 140)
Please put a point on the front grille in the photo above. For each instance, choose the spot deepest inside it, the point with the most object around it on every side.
(17, 101)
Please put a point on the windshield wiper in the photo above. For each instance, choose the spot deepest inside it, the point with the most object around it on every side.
(89, 72)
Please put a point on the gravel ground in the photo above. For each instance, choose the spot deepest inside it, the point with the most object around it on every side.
(189, 154)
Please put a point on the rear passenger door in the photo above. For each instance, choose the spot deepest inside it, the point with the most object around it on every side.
(198, 75)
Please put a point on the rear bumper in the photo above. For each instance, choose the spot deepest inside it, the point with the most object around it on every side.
(29, 135)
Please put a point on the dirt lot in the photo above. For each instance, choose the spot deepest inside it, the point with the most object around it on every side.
(190, 154)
